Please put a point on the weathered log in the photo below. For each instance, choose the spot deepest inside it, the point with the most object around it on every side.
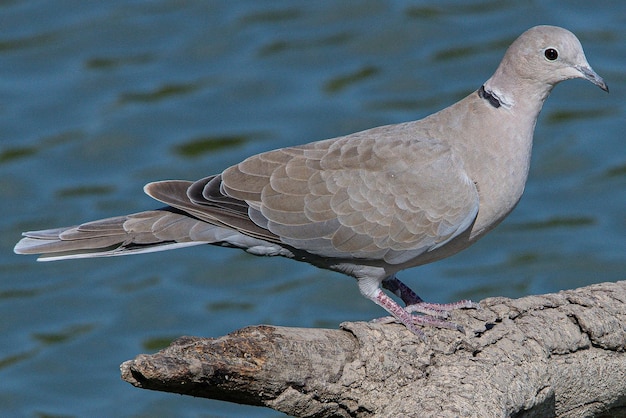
(558, 354)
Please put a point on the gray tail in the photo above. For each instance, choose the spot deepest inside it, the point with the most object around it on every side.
(142, 232)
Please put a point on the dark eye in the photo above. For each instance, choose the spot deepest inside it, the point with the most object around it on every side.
(551, 54)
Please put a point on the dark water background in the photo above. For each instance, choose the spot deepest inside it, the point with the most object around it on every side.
(99, 98)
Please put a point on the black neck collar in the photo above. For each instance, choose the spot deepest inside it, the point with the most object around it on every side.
(493, 100)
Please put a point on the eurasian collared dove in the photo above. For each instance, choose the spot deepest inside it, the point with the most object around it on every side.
(368, 204)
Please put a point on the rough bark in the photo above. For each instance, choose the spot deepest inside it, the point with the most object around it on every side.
(558, 354)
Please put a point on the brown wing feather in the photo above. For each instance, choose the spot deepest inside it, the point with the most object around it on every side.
(364, 195)
(225, 211)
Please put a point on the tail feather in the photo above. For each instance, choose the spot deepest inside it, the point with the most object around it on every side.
(142, 232)
(181, 224)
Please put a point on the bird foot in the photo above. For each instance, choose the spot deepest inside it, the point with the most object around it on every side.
(424, 320)
(440, 310)
(429, 314)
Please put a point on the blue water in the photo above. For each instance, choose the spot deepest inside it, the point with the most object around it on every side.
(99, 98)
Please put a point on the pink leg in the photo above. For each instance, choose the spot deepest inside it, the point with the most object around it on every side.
(403, 316)
(416, 304)
(397, 311)
(404, 292)
(370, 288)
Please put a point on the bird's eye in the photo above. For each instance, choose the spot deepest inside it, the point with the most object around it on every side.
(551, 54)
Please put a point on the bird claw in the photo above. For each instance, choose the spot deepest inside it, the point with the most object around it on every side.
(423, 308)
(424, 320)
(428, 314)
(440, 310)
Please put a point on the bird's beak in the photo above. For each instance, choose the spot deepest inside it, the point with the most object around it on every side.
(592, 76)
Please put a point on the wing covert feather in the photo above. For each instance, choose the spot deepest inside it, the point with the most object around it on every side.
(367, 195)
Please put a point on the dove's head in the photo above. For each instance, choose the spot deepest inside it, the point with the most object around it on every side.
(543, 56)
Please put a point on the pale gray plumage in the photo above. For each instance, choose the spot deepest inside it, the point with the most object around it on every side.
(367, 204)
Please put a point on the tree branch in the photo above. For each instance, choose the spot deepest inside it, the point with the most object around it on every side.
(558, 354)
